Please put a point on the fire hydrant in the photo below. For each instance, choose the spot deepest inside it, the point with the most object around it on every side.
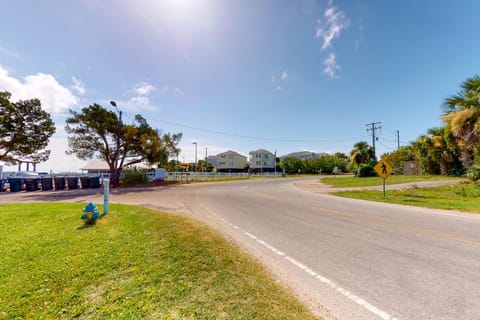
(90, 214)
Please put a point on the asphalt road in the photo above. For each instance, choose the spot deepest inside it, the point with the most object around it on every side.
(347, 259)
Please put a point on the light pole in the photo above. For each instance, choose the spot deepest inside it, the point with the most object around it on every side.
(117, 150)
(195, 143)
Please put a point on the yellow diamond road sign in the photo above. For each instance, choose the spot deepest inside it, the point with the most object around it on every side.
(383, 169)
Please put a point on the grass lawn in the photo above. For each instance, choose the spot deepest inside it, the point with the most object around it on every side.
(463, 197)
(134, 264)
(346, 182)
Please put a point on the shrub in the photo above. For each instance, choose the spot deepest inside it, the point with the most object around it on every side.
(474, 173)
(366, 170)
(133, 177)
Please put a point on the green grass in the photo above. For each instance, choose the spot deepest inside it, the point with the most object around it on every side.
(134, 264)
(347, 182)
(463, 197)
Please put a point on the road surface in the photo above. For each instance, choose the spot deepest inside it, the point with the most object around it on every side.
(347, 259)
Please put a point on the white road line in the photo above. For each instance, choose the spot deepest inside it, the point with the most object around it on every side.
(378, 312)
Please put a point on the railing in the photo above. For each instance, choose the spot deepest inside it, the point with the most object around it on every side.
(204, 176)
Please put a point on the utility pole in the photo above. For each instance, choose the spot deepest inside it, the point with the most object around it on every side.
(398, 139)
(195, 143)
(206, 157)
(115, 177)
(374, 126)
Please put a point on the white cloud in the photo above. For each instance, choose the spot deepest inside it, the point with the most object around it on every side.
(53, 96)
(179, 92)
(140, 99)
(78, 86)
(59, 161)
(330, 65)
(330, 27)
(143, 88)
(283, 77)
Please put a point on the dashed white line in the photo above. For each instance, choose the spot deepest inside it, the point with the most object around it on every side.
(378, 312)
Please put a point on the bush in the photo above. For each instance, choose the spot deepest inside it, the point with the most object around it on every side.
(133, 177)
(366, 170)
(474, 173)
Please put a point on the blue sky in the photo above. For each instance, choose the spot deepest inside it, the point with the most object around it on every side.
(242, 75)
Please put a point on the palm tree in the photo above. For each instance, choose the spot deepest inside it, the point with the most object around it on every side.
(361, 153)
(437, 151)
(462, 114)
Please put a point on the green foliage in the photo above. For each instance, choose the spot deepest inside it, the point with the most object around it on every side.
(324, 164)
(349, 182)
(293, 165)
(366, 169)
(464, 197)
(134, 264)
(396, 158)
(134, 177)
(473, 172)
(95, 131)
(361, 153)
(25, 129)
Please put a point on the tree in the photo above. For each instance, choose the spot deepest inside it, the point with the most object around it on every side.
(293, 165)
(397, 157)
(95, 131)
(361, 153)
(25, 130)
(462, 116)
(438, 152)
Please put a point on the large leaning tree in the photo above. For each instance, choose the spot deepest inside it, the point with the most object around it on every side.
(25, 130)
(98, 132)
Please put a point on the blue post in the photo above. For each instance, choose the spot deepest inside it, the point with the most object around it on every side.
(106, 185)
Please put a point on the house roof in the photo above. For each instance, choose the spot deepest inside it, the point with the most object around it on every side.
(96, 165)
(304, 154)
(103, 166)
(261, 151)
(230, 151)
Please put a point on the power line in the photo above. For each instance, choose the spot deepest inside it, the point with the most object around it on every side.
(224, 133)
(390, 148)
(374, 126)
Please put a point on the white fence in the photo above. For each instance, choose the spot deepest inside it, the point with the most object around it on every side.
(203, 176)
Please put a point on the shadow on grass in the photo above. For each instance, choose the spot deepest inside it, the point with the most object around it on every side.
(86, 226)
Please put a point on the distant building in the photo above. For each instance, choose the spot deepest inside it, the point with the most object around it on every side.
(213, 161)
(100, 166)
(262, 160)
(303, 155)
(412, 168)
(96, 167)
(230, 161)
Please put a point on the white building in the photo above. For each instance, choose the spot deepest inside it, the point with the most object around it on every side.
(262, 160)
(231, 161)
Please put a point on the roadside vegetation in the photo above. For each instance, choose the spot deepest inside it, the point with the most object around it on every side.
(462, 197)
(134, 264)
(352, 182)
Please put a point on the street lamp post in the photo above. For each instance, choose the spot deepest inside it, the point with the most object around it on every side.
(195, 143)
(117, 138)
